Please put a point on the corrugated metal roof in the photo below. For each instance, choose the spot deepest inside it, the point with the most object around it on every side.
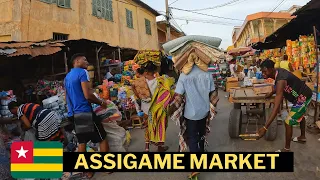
(7, 51)
(30, 48)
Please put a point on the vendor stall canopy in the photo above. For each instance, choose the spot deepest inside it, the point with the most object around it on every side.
(306, 17)
(33, 49)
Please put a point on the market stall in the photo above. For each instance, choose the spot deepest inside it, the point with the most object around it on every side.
(301, 38)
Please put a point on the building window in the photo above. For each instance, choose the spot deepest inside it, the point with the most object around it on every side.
(49, 1)
(60, 3)
(59, 36)
(102, 9)
(64, 3)
(148, 26)
(129, 18)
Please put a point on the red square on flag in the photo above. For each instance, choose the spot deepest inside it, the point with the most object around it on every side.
(22, 152)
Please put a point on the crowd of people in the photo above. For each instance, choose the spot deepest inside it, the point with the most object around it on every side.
(161, 99)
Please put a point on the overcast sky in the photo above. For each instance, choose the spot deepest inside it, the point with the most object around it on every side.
(222, 27)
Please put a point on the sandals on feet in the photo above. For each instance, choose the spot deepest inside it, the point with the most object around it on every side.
(297, 140)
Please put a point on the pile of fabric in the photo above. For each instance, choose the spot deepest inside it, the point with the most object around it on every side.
(49, 88)
(6, 97)
(194, 50)
(144, 56)
(57, 103)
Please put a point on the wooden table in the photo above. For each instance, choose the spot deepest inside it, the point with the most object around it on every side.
(256, 106)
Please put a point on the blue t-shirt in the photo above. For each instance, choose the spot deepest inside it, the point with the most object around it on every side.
(74, 91)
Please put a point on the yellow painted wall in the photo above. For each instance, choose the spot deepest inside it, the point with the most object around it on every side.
(6, 10)
(38, 21)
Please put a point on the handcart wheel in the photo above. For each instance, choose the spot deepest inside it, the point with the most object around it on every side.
(271, 134)
(235, 122)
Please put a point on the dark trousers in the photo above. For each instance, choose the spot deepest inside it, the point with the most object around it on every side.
(196, 130)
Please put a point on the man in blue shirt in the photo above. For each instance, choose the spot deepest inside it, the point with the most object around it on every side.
(197, 87)
(79, 92)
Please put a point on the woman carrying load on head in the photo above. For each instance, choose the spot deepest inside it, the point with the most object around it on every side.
(155, 94)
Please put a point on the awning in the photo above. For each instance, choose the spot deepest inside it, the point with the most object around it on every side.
(33, 49)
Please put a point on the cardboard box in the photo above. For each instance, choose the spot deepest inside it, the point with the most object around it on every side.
(262, 88)
(232, 79)
(230, 85)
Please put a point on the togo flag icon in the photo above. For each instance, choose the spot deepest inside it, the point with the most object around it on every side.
(36, 159)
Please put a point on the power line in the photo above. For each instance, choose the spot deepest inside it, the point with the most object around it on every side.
(276, 7)
(171, 15)
(173, 2)
(206, 21)
(206, 14)
(215, 7)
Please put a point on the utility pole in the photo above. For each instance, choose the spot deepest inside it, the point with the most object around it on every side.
(168, 20)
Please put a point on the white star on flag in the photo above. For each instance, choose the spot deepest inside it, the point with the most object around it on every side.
(22, 152)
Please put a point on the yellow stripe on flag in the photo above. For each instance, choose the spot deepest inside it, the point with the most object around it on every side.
(36, 167)
(47, 152)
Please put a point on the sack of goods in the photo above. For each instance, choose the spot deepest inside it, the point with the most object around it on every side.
(116, 136)
(56, 103)
(5, 100)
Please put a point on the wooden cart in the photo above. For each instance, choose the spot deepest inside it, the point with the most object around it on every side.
(257, 110)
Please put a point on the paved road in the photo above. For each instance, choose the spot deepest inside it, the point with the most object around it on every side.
(306, 157)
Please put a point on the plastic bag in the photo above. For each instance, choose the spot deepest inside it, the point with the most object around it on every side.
(30, 135)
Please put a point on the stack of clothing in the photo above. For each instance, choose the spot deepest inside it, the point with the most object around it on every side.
(6, 97)
(57, 104)
(144, 56)
(49, 88)
(194, 50)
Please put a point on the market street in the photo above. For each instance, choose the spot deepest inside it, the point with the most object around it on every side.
(307, 156)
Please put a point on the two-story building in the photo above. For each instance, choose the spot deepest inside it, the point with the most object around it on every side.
(123, 23)
(162, 32)
(258, 26)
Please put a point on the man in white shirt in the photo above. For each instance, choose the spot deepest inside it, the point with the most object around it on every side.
(232, 67)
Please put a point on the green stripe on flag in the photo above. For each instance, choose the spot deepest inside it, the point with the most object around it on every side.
(47, 144)
(48, 159)
(35, 174)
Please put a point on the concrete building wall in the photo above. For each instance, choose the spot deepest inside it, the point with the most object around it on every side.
(34, 20)
(258, 26)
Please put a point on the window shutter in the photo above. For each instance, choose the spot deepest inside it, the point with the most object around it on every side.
(67, 3)
(110, 10)
(61, 3)
(127, 17)
(99, 10)
(148, 26)
(94, 7)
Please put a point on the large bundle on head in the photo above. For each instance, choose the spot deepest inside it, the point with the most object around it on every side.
(145, 56)
(194, 50)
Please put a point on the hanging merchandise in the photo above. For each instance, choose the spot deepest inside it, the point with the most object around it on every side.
(302, 52)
